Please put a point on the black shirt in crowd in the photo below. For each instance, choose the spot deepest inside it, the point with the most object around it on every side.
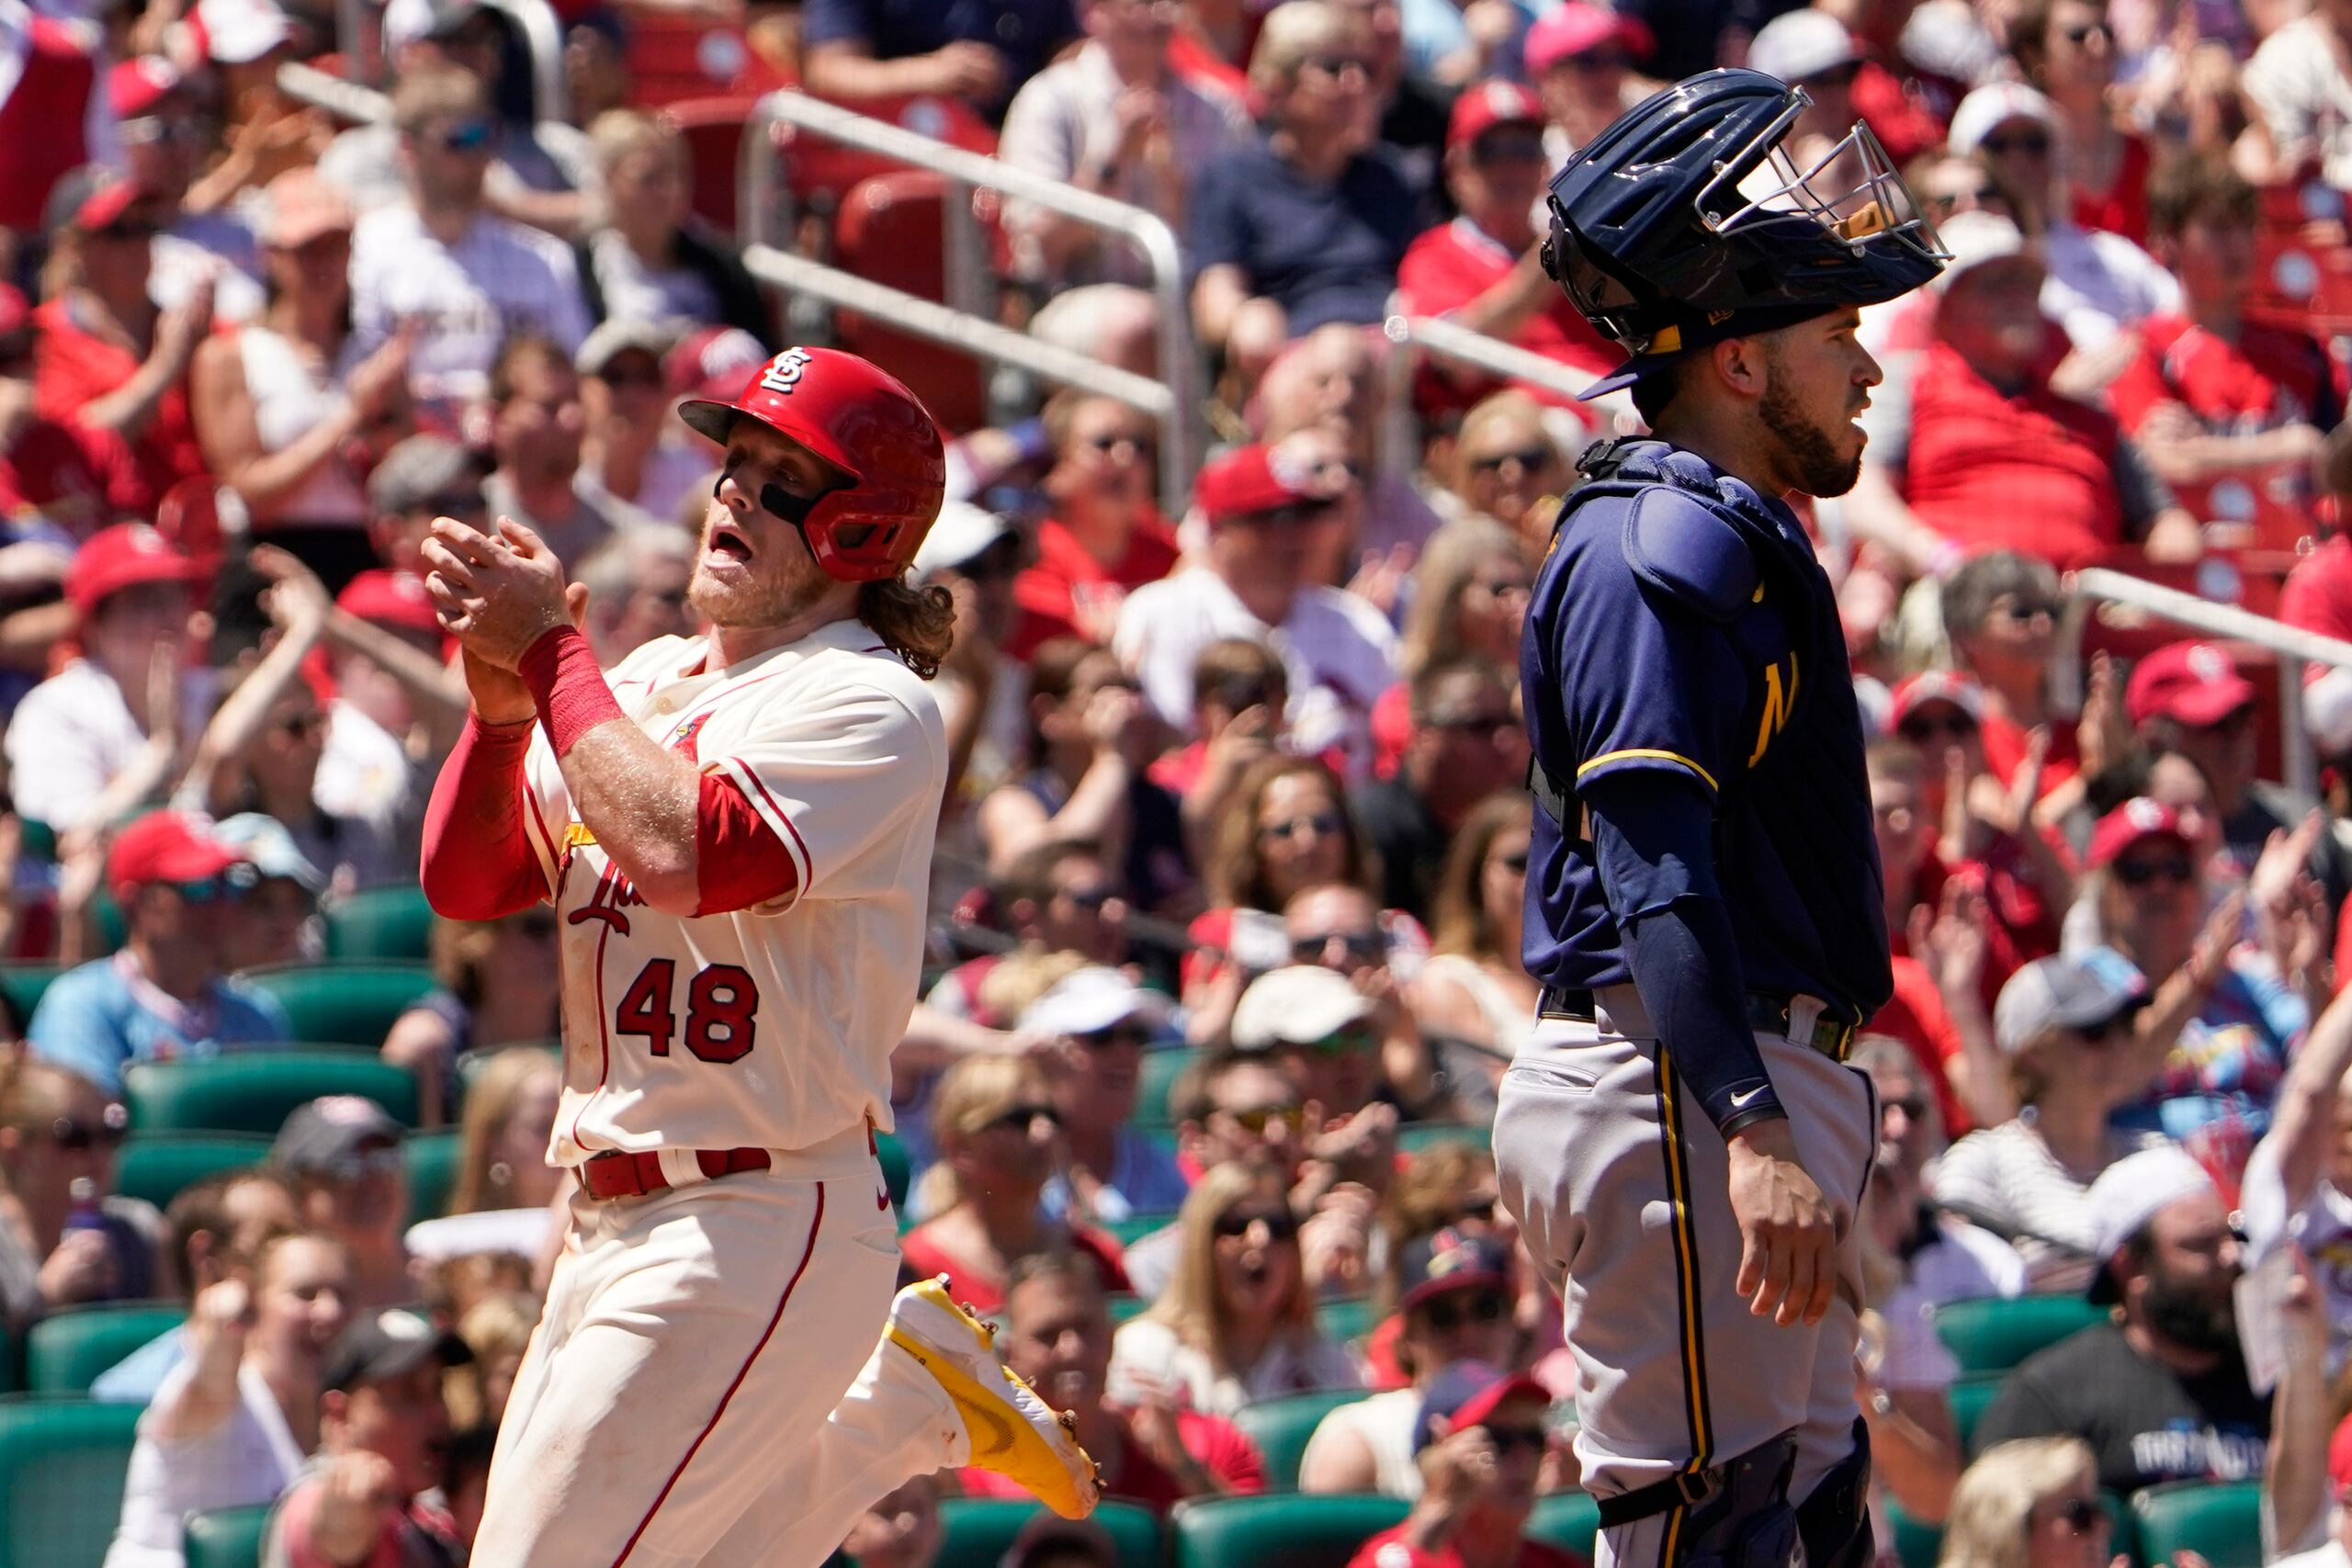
(2145, 1422)
(1411, 840)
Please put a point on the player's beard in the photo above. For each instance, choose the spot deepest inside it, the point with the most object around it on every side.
(1807, 448)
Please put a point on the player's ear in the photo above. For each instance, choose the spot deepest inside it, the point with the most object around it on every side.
(1739, 362)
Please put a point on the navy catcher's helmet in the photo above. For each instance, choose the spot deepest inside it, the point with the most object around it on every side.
(1685, 222)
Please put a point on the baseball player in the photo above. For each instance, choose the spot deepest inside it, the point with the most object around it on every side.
(1679, 1137)
(736, 833)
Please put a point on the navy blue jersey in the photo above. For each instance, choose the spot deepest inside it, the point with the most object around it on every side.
(1681, 627)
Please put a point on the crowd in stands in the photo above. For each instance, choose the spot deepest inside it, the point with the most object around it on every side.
(1225, 940)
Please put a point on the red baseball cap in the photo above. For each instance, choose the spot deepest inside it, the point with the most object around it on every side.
(1486, 105)
(135, 86)
(2193, 682)
(395, 599)
(1259, 477)
(1936, 686)
(167, 846)
(712, 364)
(1575, 28)
(122, 556)
(2131, 823)
(2339, 1456)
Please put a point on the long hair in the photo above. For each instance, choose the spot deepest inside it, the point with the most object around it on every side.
(1235, 875)
(1433, 625)
(1191, 1306)
(1992, 1505)
(497, 1088)
(1463, 926)
(1053, 675)
(916, 624)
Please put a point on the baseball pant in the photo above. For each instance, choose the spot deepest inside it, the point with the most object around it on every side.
(708, 1385)
(1618, 1180)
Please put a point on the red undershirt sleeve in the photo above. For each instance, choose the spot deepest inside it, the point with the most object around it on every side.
(477, 863)
(739, 861)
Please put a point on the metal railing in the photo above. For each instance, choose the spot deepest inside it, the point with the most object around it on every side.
(760, 192)
(2294, 646)
(344, 100)
(1457, 344)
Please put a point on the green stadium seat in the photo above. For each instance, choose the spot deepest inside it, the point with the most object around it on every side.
(227, 1538)
(2220, 1519)
(1969, 1394)
(1280, 1530)
(343, 1004)
(1157, 1085)
(155, 1165)
(61, 1465)
(430, 1159)
(1347, 1318)
(1994, 1335)
(22, 984)
(1917, 1543)
(1124, 1306)
(253, 1091)
(1280, 1426)
(896, 1171)
(1134, 1227)
(980, 1530)
(385, 924)
(1569, 1520)
(1422, 1136)
(64, 1353)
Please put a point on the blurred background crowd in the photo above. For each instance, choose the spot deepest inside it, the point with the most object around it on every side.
(1225, 939)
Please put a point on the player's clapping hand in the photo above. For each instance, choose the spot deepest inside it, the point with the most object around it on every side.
(1788, 1230)
(497, 592)
(359, 1496)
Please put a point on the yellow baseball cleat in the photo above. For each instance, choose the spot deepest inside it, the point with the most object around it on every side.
(1013, 1432)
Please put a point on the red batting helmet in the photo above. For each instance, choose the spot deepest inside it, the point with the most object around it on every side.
(866, 423)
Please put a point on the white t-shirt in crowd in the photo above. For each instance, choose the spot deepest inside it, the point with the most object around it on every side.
(1385, 1422)
(2006, 1176)
(2303, 97)
(73, 733)
(247, 1458)
(1337, 651)
(2331, 1555)
(1962, 1263)
(1149, 1352)
(2100, 283)
(500, 277)
(364, 771)
(2322, 1227)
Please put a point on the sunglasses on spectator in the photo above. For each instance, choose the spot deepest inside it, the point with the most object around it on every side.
(1145, 445)
(2035, 143)
(2078, 1515)
(1506, 1439)
(1477, 1210)
(2083, 34)
(1365, 947)
(149, 129)
(1134, 1034)
(1976, 195)
(2174, 869)
(1021, 1117)
(1928, 727)
(1599, 60)
(1280, 1224)
(1473, 723)
(127, 229)
(1912, 1106)
(1509, 588)
(1527, 457)
(1322, 823)
(1837, 77)
(1290, 516)
(1258, 1118)
(75, 1136)
(1445, 1314)
(1514, 862)
(2106, 1029)
(467, 136)
(209, 890)
(2025, 612)
(1518, 147)
(1088, 897)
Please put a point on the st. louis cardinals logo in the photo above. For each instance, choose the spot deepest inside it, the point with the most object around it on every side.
(783, 372)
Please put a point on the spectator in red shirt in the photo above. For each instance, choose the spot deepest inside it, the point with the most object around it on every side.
(110, 360)
(1482, 269)
(1058, 1338)
(2066, 47)
(999, 1138)
(2231, 413)
(1481, 1446)
(1106, 536)
(52, 115)
(76, 479)
(2000, 611)
(1987, 456)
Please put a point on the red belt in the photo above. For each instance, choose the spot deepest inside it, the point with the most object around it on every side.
(616, 1175)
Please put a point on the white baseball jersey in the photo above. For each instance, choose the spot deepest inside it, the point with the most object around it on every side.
(771, 1027)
